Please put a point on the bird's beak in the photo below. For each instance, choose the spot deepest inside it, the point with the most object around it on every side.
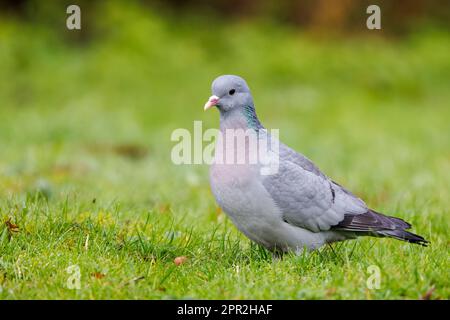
(212, 101)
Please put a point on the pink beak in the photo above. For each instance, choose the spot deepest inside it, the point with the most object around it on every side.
(212, 101)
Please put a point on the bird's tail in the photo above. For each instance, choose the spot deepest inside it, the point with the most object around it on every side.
(399, 231)
(376, 224)
(402, 234)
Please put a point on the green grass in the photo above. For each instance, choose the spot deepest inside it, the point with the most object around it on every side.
(86, 176)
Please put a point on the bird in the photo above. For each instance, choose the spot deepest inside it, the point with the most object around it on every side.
(294, 208)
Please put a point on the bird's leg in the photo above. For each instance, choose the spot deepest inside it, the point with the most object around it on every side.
(299, 251)
(277, 255)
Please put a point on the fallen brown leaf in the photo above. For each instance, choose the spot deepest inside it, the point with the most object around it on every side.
(180, 260)
(98, 275)
(427, 295)
(11, 226)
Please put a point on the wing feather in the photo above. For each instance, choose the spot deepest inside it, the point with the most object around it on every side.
(306, 197)
(309, 199)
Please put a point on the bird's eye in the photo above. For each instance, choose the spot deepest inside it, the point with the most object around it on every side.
(231, 92)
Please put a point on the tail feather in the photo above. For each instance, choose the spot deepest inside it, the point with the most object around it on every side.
(405, 236)
(399, 222)
(376, 224)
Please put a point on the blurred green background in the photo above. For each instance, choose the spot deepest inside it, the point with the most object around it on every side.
(136, 71)
(86, 115)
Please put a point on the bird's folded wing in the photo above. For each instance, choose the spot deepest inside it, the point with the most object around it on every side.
(306, 197)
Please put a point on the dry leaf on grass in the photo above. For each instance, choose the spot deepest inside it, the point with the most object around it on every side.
(11, 226)
(180, 260)
(98, 275)
(428, 294)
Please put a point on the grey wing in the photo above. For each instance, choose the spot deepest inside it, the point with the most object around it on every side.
(306, 197)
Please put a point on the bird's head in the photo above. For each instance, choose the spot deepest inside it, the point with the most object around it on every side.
(229, 93)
